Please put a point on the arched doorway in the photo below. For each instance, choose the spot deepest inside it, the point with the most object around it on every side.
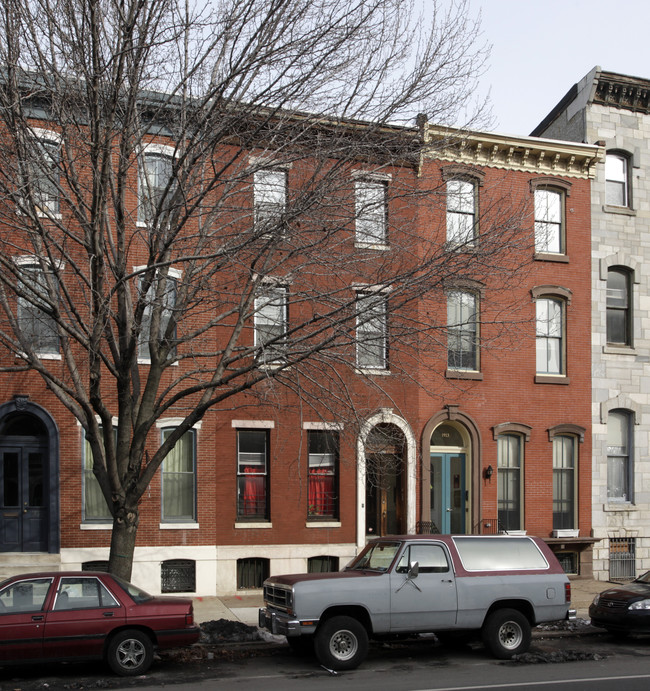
(385, 480)
(449, 493)
(28, 479)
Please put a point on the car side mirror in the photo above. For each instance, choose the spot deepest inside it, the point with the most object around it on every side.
(414, 570)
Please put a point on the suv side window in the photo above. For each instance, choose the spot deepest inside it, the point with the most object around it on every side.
(431, 558)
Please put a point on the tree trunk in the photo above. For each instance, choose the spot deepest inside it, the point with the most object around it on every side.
(125, 529)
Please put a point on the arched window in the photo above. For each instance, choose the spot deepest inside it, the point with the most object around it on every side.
(565, 468)
(550, 335)
(462, 330)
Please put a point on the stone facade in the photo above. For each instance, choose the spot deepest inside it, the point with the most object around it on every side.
(613, 110)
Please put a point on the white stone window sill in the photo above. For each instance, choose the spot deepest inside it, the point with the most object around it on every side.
(323, 524)
(614, 506)
(254, 525)
(96, 526)
(380, 372)
(619, 350)
(179, 526)
(624, 210)
(379, 246)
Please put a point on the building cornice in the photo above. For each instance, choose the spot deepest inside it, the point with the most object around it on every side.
(622, 91)
(529, 154)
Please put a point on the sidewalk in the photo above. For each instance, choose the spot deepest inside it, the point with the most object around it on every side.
(244, 607)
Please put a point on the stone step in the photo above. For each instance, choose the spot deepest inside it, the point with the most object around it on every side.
(15, 563)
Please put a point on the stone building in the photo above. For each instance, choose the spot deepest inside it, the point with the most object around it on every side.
(613, 110)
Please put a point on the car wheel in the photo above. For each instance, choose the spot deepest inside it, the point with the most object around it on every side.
(130, 653)
(341, 643)
(301, 645)
(506, 632)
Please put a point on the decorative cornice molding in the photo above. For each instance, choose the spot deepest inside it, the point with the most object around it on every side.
(621, 91)
(529, 154)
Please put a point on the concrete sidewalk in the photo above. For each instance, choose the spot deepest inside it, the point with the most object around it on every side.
(244, 607)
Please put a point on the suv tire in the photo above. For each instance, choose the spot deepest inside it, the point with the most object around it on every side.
(341, 643)
(506, 632)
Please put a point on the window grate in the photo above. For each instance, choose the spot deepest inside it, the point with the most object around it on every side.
(178, 576)
(251, 573)
(568, 561)
(98, 565)
(622, 558)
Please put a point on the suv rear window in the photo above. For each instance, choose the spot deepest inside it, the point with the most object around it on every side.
(499, 554)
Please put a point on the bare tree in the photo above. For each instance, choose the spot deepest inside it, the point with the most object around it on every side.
(148, 237)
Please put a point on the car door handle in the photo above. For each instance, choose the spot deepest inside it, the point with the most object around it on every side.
(107, 614)
(38, 617)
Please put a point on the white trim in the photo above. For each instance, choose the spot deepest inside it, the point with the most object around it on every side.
(335, 426)
(179, 526)
(323, 524)
(268, 163)
(373, 176)
(165, 423)
(252, 424)
(385, 415)
(379, 246)
(369, 371)
(156, 148)
(43, 134)
(369, 288)
(96, 526)
(254, 525)
(171, 272)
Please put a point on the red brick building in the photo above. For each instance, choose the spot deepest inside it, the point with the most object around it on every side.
(475, 420)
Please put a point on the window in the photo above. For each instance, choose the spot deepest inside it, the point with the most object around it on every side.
(371, 212)
(178, 576)
(159, 306)
(622, 558)
(372, 336)
(564, 482)
(430, 558)
(549, 236)
(269, 196)
(271, 323)
(44, 172)
(95, 507)
(36, 323)
(616, 180)
(252, 474)
(323, 467)
(550, 336)
(324, 564)
(462, 331)
(509, 480)
(27, 595)
(179, 479)
(157, 185)
(619, 467)
(251, 573)
(618, 307)
(83, 593)
(461, 212)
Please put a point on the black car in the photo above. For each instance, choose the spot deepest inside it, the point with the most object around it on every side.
(624, 609)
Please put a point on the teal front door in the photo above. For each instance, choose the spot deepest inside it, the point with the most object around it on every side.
(448, 492)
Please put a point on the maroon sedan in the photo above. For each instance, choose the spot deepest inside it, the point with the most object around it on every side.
(89, 615)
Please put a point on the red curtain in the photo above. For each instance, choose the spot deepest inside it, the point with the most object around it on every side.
(321, 492)
(254, 495)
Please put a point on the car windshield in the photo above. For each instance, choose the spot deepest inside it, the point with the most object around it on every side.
(136, 594)
(377, 556)
(644, 579)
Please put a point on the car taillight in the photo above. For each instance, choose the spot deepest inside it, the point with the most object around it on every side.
(567, 593)
(189, 619)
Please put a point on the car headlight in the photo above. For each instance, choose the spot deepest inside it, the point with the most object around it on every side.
(596, 600)
(641, 604)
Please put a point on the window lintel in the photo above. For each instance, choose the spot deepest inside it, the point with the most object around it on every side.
(567, 429)
(512, 428)
(458, 171)
(551, 291)
(549, 182)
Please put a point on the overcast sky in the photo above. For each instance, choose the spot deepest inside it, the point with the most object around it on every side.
(540, 48)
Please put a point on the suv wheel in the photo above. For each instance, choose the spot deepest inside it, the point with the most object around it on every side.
(341, 643)
(506, 632)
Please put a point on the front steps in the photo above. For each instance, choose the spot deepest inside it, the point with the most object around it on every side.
(15, 563)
